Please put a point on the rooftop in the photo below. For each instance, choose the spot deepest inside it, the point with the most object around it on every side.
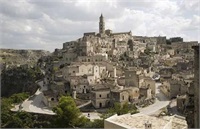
(138, 121)
(100, 87)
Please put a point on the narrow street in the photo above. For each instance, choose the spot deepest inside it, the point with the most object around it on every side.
(161, 102)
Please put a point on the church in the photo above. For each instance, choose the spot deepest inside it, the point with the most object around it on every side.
(105, 32)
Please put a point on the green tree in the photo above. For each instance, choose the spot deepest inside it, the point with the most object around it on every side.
(11, 119)
(120, 110)
(98, 123)
(18, 98)
(67, 114)
(20, 120)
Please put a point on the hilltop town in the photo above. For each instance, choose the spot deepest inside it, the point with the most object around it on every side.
(104, 68)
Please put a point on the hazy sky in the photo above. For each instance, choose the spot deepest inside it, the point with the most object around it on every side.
(32, 24)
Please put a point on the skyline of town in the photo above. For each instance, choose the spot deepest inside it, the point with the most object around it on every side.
(94, 64)
(46, 29)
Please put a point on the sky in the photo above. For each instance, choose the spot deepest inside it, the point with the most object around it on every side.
(47, 24)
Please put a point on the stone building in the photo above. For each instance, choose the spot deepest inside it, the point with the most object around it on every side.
(94, 58)
(85, 48)
(131, 78)
(92, 71)
(80, 84)
(69, 57)
(171, 88)
(100, 96)
(122, 96)
(101, 25)
(152, 46)
(71, 44)
(119, 96)
(166, 73)
(145, 92)
(148, 82)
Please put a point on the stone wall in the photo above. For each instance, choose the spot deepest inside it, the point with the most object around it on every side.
(196, 87)
(131, 79)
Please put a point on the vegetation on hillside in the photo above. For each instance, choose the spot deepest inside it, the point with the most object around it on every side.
(120, 110)
(13, 57)
(9, 119)
(19, 79)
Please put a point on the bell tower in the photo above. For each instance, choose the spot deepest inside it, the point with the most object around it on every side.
(101, 25)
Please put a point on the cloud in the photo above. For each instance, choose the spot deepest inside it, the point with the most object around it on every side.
(36, 24)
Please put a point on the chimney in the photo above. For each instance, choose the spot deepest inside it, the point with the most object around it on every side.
(148, 125)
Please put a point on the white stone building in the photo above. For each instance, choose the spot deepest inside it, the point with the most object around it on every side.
(141, 121)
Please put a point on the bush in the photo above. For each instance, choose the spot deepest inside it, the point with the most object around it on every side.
(18, 98)
(120, 110)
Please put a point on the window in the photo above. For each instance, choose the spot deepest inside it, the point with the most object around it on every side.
(73, 71)
(84, 86)
(108, 96)
(100, 95)
(122, 97)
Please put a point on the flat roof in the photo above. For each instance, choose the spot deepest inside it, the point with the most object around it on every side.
(138, 121)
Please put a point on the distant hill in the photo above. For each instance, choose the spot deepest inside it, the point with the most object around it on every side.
(14, 57)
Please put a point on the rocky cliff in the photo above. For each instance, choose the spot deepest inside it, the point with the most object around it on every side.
(19, 57)
(15, 77)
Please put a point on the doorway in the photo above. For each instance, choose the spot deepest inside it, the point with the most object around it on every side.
(100, 105)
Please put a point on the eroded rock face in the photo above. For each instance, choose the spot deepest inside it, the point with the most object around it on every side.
(14, 57)
(19, 70)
